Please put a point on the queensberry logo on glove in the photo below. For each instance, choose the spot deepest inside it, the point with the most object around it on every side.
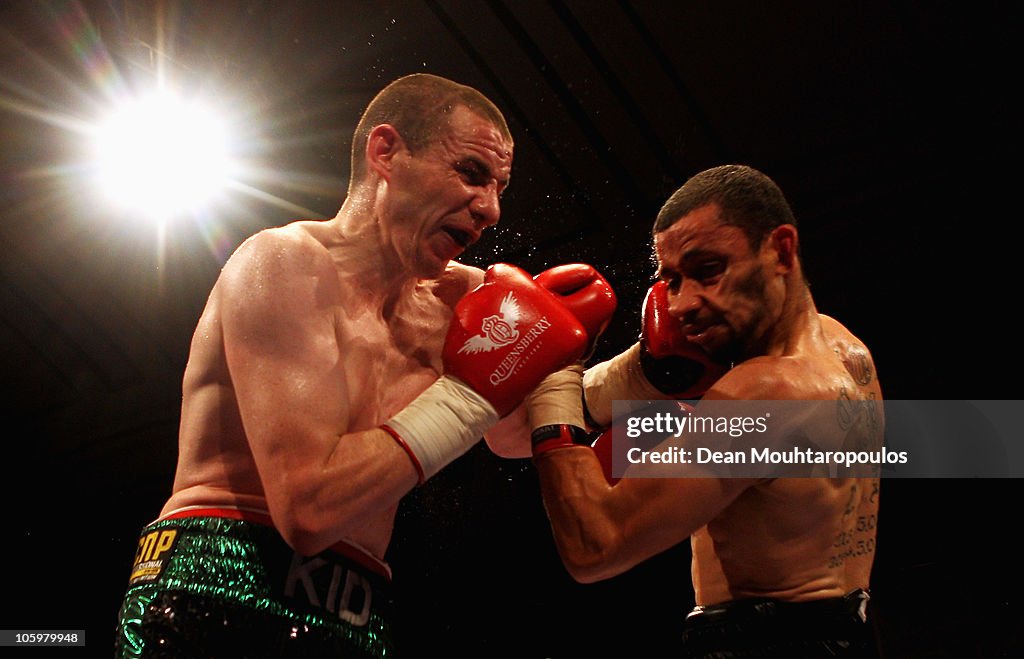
(502, 329)
(498, 329)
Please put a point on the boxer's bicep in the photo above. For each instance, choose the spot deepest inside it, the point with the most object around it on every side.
(658, 513)
(603, 530)
(283, 358)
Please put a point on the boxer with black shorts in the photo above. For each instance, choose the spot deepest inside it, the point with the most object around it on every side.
(781, 566)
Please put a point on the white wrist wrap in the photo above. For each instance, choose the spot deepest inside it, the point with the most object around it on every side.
(442, 423)
(619, 378)
(557, 400)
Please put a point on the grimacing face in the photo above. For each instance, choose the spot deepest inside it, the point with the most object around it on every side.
(723, 292)
(443, 197)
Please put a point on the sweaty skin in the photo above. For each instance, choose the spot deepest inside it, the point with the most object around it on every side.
(318, 332)
(794, 539)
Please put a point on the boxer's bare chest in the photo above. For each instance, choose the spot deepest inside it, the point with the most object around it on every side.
(389, 361)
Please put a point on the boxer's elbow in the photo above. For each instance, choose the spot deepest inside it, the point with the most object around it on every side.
(590, 568)
(590, 558)
(304, 526)
(302, 533)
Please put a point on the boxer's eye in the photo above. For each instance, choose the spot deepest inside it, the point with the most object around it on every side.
(472, 172)
(708, 272)
(672, 279)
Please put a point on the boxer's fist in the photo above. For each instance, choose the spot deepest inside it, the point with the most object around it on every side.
(507, 335)
(585, 293)
(672, 364)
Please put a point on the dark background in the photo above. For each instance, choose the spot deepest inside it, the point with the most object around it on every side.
(888, 125)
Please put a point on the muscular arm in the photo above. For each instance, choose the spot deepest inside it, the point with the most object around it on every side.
(278, 300)
(602, 530)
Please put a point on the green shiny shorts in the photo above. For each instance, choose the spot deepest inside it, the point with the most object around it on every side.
(210, 586)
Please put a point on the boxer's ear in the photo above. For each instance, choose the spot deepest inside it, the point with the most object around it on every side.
(784, 241)
(382, 145)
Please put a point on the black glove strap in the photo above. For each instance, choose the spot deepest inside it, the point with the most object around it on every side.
(546, 438)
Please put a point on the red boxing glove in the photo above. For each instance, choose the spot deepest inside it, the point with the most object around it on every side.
(507, 335)
(672, 364)
(585, 293)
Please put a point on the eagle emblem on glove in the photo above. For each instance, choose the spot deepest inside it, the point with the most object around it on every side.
(497, 330)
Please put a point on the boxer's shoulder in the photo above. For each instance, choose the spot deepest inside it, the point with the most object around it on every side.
(768, 377)
(837, 334)
(854, 354)
(273, 252)
(303, 237)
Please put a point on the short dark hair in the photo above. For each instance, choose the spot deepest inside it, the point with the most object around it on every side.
(419, 106)
(747, 199)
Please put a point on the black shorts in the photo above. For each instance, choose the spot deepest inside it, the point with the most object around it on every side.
(762, 628)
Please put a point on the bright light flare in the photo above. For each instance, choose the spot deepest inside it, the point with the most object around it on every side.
(161, 156)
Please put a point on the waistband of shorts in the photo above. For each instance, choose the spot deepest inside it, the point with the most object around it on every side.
(853, 604)
(345, 548)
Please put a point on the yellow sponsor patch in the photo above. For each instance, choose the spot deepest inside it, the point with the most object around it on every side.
(152, 556)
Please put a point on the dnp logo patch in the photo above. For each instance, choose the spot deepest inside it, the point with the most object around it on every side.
(151, 558)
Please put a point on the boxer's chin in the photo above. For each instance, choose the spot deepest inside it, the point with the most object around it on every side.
(441, 250)
(722, 346)
(712, 338)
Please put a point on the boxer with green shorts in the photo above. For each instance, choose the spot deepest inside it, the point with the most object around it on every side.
(337, 365)
(222, 583)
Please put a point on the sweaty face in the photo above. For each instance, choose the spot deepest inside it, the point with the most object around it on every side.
(721, 291)
(446, 194)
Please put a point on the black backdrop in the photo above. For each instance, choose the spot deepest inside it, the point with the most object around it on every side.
(889, 126)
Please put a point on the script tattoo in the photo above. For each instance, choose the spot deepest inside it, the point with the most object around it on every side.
(857, 539)
(851, 503)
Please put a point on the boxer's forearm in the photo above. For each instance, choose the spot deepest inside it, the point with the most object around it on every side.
(578, 500)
